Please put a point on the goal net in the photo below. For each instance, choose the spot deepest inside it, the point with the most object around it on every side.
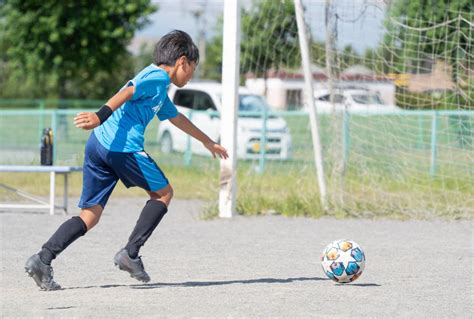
(394, 98)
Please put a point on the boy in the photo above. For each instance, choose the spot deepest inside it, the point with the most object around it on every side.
(115, 151)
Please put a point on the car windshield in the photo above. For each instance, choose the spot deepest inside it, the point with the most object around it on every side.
(338, 98)
(367, 98)
(252, 103)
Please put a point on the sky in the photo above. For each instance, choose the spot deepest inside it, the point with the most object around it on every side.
(359, 22)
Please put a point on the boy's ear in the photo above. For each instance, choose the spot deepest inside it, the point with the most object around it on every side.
(181, 60)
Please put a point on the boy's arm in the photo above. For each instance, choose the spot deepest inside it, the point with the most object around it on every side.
(188, 127)
(90, 120)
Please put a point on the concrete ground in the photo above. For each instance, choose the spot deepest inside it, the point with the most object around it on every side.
(265, 266)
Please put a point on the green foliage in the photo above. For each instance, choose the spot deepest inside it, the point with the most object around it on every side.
(70, 48)
(269, 41)
(447, 100)
(449, 42)
(348, 57)
(427, 101)
(212, 67)
(318, 53)
(143, 58)
(369, 59)
(265, 43)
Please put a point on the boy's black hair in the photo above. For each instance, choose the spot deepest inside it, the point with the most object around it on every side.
(174, 45)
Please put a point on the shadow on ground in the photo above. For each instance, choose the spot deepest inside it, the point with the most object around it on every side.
(209, 283)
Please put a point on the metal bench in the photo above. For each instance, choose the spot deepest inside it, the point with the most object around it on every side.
(41, 204)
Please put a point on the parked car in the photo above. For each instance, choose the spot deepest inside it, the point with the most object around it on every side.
(202, 102)
(353, 100)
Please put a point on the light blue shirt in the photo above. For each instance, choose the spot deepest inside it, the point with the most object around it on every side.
(124, 130)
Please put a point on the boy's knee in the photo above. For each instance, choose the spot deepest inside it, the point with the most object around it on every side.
(165, 194)
(170, 192)
(91, 216)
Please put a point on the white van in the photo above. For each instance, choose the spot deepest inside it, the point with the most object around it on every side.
(201, 101)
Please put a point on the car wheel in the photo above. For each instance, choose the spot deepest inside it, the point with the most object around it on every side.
(166, 143)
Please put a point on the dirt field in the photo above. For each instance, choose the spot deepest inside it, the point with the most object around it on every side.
(243, 267)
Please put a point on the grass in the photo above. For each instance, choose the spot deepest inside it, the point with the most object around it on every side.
(387, 171)
(296, 194)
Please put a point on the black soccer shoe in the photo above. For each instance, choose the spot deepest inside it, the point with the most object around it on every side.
(133, 266)
(41, 273)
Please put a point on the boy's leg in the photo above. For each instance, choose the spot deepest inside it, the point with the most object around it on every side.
(91, 216)
(99, 181)
(69, 231)
(142, 171)
(149, 219)
(39, 267)
(127, 258)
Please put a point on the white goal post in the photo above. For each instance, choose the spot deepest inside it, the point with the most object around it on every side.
(230, 85)
(308, 79)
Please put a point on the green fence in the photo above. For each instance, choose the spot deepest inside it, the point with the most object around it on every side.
(407, 160)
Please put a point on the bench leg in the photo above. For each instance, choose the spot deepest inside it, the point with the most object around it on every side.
(52, 192)
(65, 193)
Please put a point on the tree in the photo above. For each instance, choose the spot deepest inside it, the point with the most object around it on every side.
(420, 38)
(373, 58)
(269, 37)
(318, 53)
(61, 48)
(419, 32)
(212, 67)
(348, 57)
(269, 40)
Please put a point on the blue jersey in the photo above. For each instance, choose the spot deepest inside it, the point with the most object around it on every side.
(124, 130)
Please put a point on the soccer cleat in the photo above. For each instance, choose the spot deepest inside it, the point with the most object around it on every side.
(41, 273)
(133, 266)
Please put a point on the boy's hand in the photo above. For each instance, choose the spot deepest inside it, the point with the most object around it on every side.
(215, 148)
(86, 120)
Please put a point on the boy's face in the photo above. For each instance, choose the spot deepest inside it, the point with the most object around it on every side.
(184, 72)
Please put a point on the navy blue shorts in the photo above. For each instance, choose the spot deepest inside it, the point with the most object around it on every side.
(102, 169)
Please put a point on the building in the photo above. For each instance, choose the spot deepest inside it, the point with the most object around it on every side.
(285, 89)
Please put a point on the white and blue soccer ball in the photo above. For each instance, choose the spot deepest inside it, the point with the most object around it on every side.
(343, 261)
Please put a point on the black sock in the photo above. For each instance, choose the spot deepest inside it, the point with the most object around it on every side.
(150, 217)
(68, 232)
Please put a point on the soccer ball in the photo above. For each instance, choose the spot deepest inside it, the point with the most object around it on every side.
(343, 261)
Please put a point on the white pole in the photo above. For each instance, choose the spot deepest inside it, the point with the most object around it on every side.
(308, 77)
(230, 85)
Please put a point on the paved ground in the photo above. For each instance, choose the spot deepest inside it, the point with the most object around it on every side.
(244, 267)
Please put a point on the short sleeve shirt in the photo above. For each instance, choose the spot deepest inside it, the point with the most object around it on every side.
(124, 130)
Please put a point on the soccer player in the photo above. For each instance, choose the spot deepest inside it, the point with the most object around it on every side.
(115, 151)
